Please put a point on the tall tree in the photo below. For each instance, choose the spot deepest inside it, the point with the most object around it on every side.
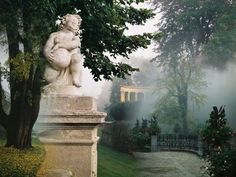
(28, 23)
(206, 27)
(179, 85)
(194, 30)
(184, 33)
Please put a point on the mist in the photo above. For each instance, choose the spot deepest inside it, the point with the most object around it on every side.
(220, 91)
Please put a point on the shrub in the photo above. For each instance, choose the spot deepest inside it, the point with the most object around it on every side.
(124, 111)
(217, 133)
(221, 155)
(141, 135)
(120, 136)
(20, 163)
(222, 163)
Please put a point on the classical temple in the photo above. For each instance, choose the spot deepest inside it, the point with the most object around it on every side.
(134, 93)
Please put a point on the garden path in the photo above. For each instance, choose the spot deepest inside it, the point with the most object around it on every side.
(169, 164)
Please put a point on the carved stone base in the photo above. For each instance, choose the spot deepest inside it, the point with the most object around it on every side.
(69, 125)
(57, 89)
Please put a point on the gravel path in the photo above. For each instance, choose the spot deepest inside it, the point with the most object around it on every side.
(169, 164)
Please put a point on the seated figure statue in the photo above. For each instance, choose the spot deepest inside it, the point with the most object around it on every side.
(62, 51)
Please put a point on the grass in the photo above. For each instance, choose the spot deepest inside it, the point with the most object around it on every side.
(20, 163)
(115, 164)
(25, 163)
(2, 142)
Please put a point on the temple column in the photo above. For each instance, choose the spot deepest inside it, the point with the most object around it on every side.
(122, 96)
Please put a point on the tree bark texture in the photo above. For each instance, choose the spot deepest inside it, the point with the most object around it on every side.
(183, 103)
(25, 96)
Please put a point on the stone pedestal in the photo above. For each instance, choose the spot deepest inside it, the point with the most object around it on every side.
(69, 132)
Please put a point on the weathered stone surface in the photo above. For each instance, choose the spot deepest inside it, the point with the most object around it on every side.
(69, 125)
(62, 51)
(67, 104)
(51, 90)
(58, 173)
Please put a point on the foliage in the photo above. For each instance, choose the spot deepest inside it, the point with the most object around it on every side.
(204, 28)
(120, 136)
(124, 111)
(222, 163)
(167, 110)
(20, 163)
(217, 132)
(143, 78)
(177, 88)
(154, 128)
(123, 116)
(115, 164)
(141, 134)
(178, 49)
(221, 47)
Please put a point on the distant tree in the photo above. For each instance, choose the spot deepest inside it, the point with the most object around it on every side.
(178, 48)
(143, 78)
(180, 84)
(28, 23)
(206, 28)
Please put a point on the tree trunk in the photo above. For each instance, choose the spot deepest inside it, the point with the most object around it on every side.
(23, 115)
(25, 97)
(183, 102)
(19, 135)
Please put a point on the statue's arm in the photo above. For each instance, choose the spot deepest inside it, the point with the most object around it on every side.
(48, 48)
(70, 45)
(49, 45)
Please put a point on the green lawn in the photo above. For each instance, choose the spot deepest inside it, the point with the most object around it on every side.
(115, 164)
(20, 163)
(2, 142)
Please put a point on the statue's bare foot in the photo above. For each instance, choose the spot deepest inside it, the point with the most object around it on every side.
(76, 83)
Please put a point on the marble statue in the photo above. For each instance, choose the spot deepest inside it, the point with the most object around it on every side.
(62, 51)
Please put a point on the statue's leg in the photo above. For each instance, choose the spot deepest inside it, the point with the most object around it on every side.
(50, 74)
(76, 69)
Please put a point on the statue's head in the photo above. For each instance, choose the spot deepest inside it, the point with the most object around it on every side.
(71, 22)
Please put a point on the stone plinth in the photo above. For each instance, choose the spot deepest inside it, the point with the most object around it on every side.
(69, 131)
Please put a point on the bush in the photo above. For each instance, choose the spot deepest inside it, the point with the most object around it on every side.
(141, 135)
(124, 111)
(222, 163)
(221, 155)
(217, 132)
(20, 163)
(120, 135)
